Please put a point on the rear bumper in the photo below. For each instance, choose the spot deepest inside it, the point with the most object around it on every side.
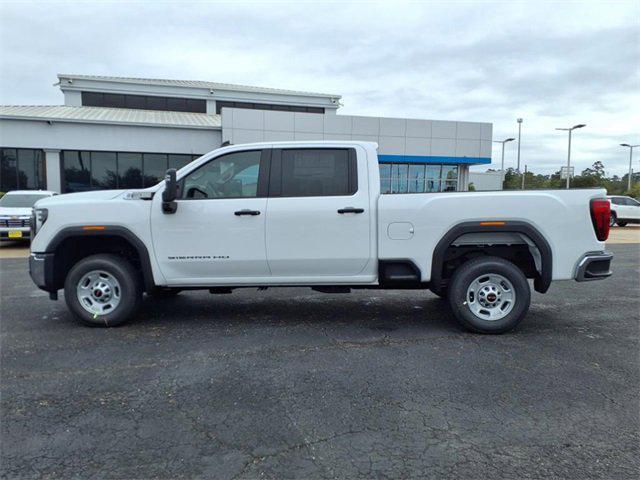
(594, 266)
(41, 271)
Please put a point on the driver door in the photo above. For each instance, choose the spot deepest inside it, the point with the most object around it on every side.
(217, 234)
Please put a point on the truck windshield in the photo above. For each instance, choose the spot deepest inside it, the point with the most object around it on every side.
(20, 200)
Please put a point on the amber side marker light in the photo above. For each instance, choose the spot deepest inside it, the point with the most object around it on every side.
(492, 224)
(94, 227)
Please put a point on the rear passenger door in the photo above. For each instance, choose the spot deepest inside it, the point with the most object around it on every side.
(318, 218)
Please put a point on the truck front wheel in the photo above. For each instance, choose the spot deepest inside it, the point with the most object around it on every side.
(489, 295)
(103, 290)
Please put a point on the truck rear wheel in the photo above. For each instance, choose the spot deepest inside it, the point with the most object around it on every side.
(103, 290)
(489, 295)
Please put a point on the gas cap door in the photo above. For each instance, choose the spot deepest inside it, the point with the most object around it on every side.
(400, 231)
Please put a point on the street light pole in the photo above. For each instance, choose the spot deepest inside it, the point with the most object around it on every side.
(519, 134)
(571, 129)
(569, 160)
(631, 147)
(503, 142)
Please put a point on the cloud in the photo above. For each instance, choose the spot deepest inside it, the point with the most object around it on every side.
(554, 64)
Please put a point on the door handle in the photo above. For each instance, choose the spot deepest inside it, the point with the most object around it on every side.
(351, 210)
(246, 211)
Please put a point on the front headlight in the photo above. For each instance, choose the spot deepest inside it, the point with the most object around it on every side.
(38, 217)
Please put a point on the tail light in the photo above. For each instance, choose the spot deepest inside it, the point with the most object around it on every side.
(600, 216)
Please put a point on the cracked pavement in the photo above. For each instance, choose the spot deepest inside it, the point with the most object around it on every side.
(290, 383)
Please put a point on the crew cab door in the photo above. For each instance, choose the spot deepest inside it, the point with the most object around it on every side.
(217, 233)
(318, 214)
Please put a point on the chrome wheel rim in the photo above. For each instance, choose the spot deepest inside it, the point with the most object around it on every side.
(612, 221)
(99, 292)
(491, 297)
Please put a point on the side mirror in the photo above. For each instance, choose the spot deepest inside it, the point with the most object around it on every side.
(170, 193)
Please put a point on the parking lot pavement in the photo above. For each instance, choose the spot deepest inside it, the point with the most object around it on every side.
(293, 383)
(628, 234)
(10, 249)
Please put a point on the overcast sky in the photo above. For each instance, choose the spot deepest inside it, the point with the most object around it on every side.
(554, 64)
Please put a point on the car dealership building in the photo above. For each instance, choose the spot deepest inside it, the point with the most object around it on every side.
(117, 132)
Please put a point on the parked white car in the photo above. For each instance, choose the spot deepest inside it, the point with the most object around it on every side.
(624, 210)
(311, 214)
(15, 213)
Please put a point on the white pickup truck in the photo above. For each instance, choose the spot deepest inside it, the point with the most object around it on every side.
(311, 214)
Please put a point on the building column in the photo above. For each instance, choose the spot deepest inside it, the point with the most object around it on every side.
(53, 168)
(463, 178)
(211, 107)
(72, 98)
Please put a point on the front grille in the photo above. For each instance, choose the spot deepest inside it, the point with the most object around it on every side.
(13, 223)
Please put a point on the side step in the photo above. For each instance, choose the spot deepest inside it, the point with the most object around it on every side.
(399, 272)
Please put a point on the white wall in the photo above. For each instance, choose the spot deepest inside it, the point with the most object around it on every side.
(486, 180)
(122, 138)
(73, 98)
(395, 136)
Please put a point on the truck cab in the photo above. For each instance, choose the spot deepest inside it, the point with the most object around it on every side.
(311, 214)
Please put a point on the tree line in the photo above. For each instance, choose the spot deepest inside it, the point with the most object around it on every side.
(591, 177)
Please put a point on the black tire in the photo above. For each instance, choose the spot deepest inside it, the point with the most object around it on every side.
(471, 270)
(130, 290)
(621, 223)
(612, 219)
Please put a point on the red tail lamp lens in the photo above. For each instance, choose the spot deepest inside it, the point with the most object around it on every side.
(600, 215)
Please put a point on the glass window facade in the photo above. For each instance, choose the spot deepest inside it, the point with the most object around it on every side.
(266, 106)
(143, 102)
(417, 178)
(103, 170)
(22, 169)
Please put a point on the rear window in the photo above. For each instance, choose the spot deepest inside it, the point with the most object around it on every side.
(318, 172)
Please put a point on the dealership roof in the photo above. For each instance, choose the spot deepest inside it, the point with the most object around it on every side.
(123, 116)
(194, 84)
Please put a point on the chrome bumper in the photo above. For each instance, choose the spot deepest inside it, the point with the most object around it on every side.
(594, 266)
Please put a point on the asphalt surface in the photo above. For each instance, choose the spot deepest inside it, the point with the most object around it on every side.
(291, 383)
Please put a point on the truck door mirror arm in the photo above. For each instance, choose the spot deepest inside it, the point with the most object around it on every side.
(170, 193)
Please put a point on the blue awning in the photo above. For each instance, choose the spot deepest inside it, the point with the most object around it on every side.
(433, 159)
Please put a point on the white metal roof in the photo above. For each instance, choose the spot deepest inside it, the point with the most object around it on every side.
(125, 116)
(194, 84)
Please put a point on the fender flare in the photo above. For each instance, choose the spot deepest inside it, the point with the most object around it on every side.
(112, 231)
(541, 283)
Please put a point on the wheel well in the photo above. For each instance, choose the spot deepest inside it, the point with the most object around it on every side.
(520, 255)
(516, 242)
(74, 248)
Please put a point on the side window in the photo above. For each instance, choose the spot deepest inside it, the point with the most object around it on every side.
(317, 173)
(632, 202)
(615, 201)
(234, 175)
